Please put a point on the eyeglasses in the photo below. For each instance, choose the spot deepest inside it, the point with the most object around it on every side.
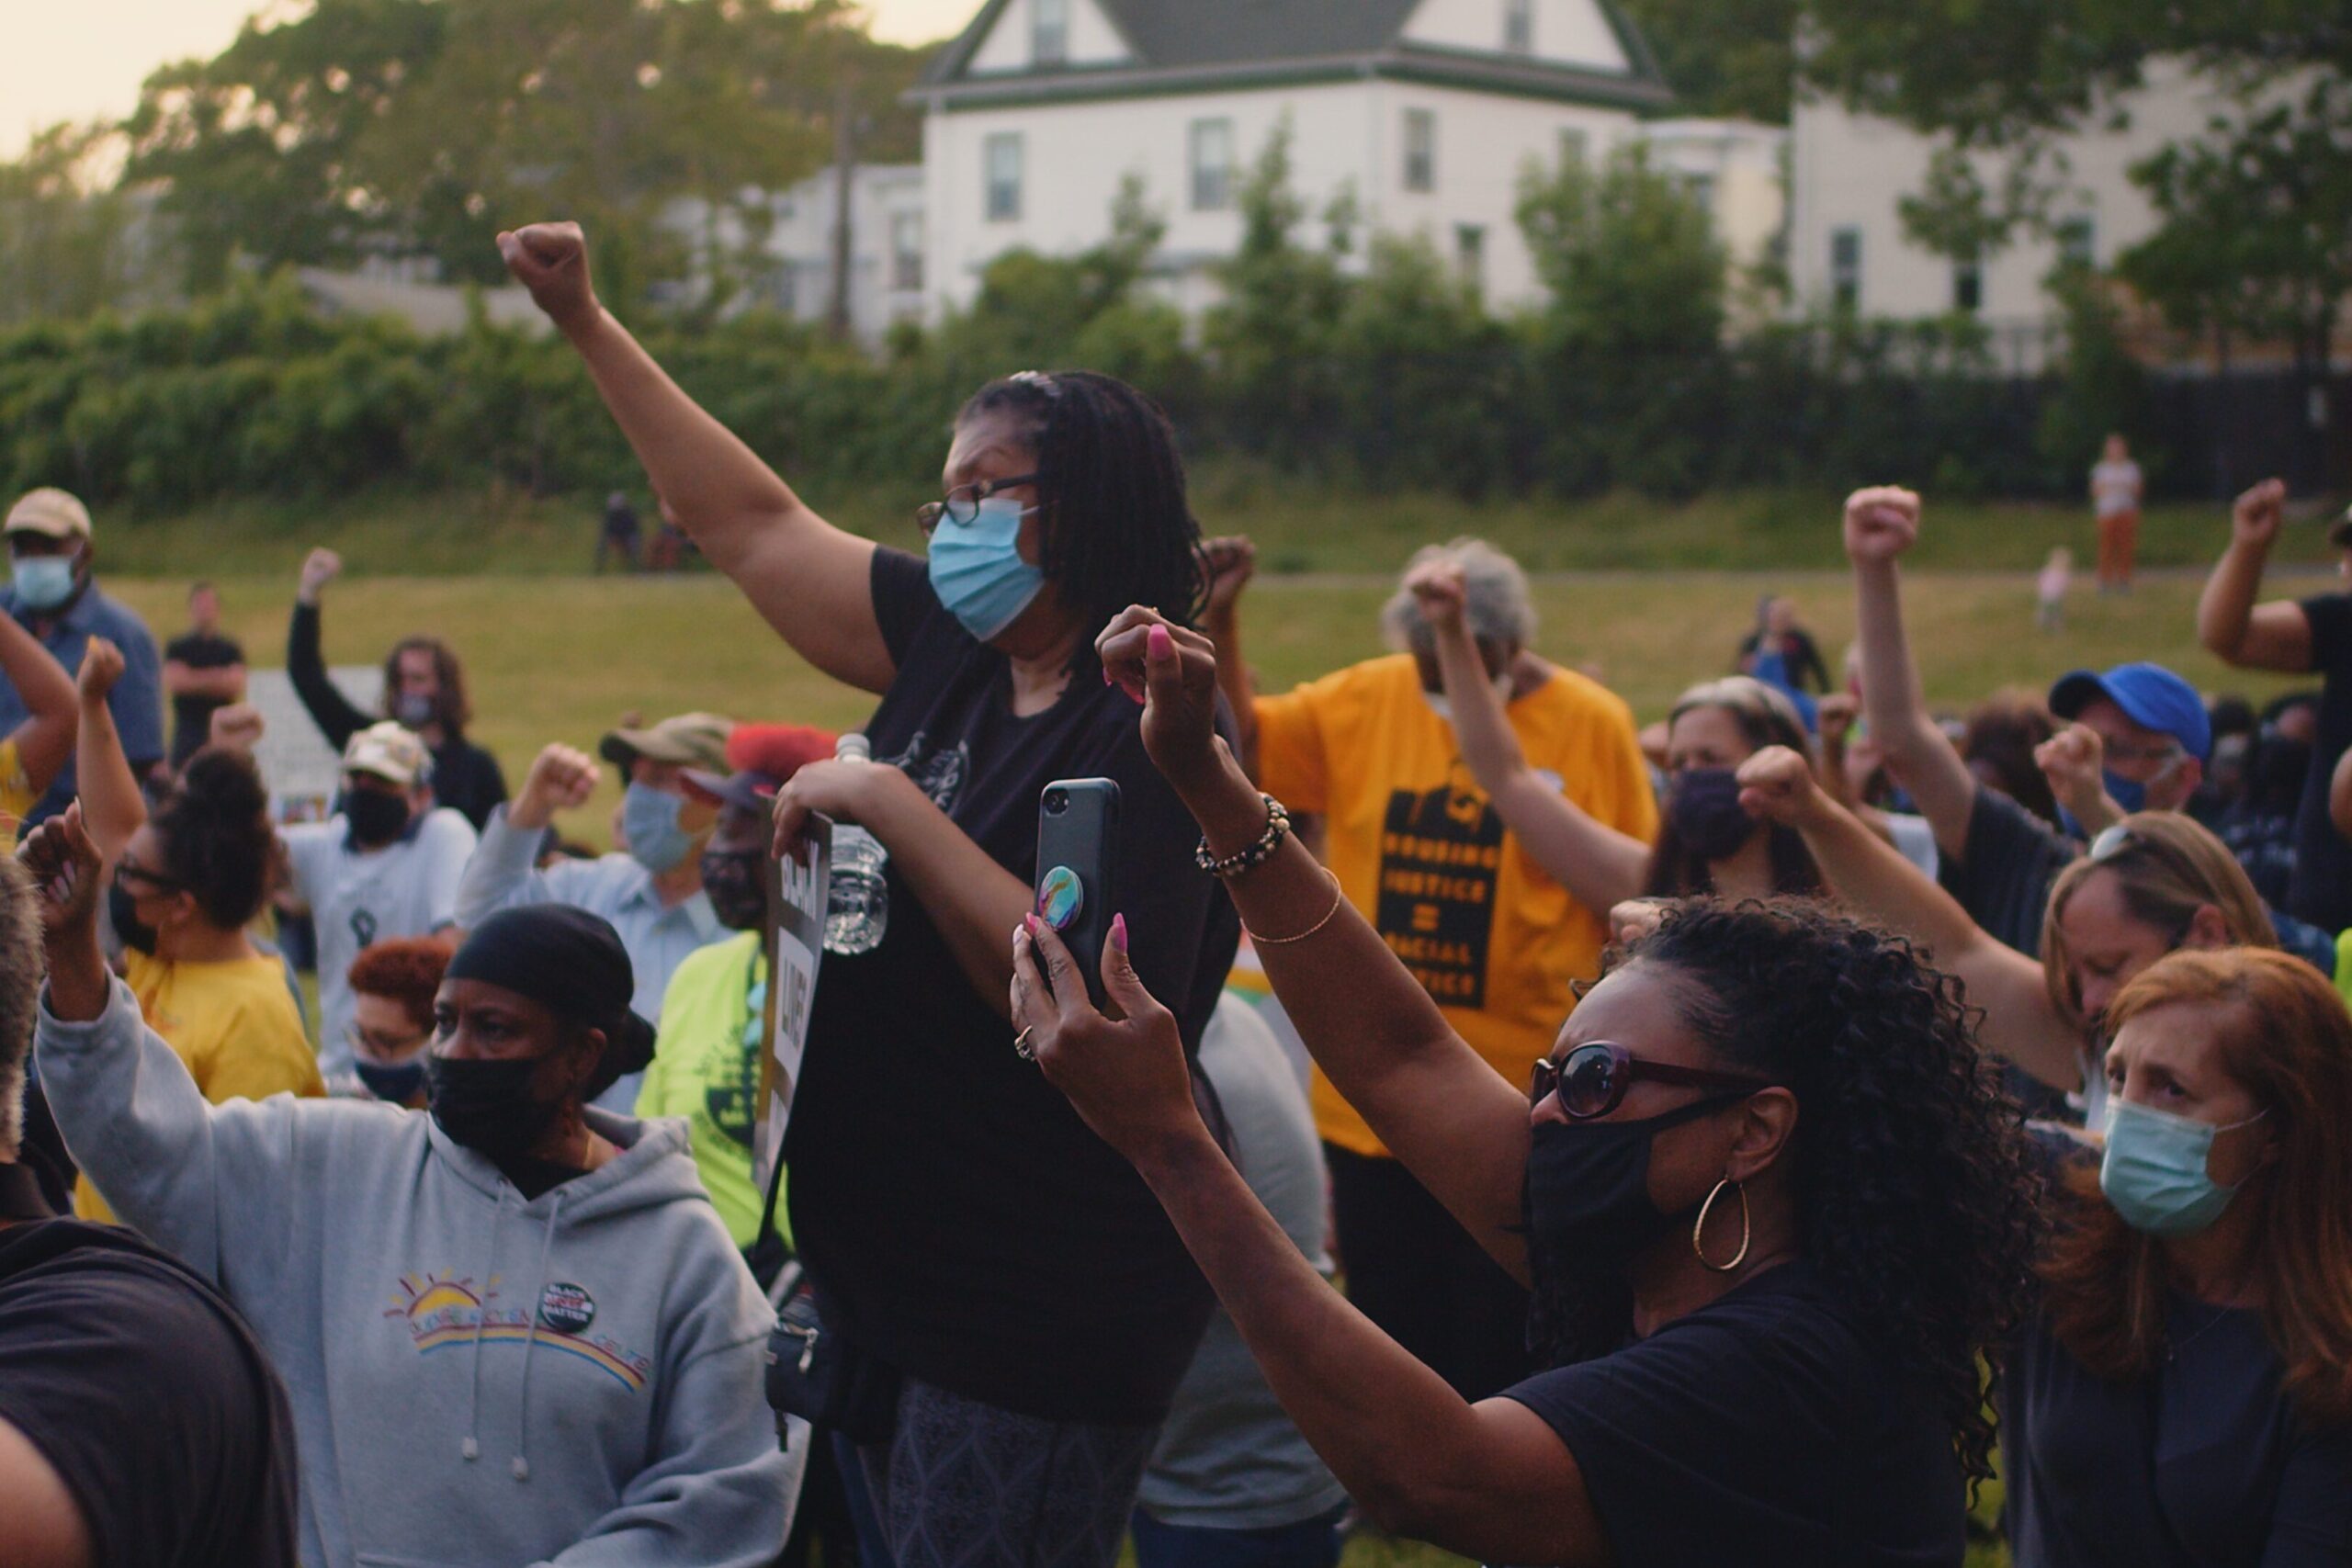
(133, 872)
(962, 506)
(378, 1045)
(1592, 1080)
(2123, 751)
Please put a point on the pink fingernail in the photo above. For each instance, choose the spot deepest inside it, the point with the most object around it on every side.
(1160, 642)
(1119, 932)
(1029, 923)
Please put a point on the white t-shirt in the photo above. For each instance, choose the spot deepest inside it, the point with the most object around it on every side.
(408, 889)
(2115, 488)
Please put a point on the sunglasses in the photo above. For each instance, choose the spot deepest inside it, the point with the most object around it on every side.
(1591, 1080)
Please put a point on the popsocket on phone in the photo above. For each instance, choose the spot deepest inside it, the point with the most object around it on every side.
(1061, 898)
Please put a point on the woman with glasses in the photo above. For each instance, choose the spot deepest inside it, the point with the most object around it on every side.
(393, 983)
(2153, 884)
(185, 887)
(968, 1236)
(1772, 1203)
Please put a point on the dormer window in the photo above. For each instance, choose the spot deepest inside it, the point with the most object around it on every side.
(1049, 31)
(1518, 26)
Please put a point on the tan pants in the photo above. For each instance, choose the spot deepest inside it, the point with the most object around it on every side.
(2118, 542)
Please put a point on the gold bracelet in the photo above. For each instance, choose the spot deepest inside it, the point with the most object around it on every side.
(1339, 897)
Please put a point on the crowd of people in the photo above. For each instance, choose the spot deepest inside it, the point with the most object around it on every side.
(1731, 1141)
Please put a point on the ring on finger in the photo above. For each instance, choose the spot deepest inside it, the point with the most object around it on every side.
(1021, 1046)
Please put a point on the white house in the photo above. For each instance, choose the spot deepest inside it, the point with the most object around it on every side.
(1850, 172)
(1734, 169)
(781, 245)
(1423, 112)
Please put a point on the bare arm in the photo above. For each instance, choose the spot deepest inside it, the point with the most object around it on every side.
(810, 580)
(1232, 561)
(1878, 884)
(40, 1524)
(1385, 1046)
(45, 739)
(1880, 525)
(224, 682)
(2232, 627)
(112, 808)
(1599, 866)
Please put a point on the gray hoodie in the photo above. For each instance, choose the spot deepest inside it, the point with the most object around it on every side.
(477, 1381)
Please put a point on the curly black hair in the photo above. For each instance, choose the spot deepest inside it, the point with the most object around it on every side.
(217, 841)
(1118, 528)
(1917, 1203)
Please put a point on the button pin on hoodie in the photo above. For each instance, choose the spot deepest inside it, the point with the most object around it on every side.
(567, 1308)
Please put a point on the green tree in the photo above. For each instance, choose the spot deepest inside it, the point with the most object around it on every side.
(62, 241)
(1723, 57)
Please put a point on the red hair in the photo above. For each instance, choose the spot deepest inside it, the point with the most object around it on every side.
(406, 970)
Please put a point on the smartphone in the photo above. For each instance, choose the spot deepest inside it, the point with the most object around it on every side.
(1078, 844)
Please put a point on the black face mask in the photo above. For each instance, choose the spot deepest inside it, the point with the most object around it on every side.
(1588, 1186)
(396, 1084)
(376, 819)
(735, 883)
(487, 1104)
(1705, 812)
(123, 910)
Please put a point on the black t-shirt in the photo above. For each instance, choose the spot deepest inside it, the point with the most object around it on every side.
(149, 1398)
(2203, 1462)
(2322, 890)
(2004, 874)
(971, 1228)
(192, 716)
(1762, 1428)
(466, 778)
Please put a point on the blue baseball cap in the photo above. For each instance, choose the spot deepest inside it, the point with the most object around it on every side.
(2150, 695)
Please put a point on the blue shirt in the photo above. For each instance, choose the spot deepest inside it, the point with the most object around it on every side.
(136, 701)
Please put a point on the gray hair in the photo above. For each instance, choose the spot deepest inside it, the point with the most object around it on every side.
(20, 970)
(1496, 601)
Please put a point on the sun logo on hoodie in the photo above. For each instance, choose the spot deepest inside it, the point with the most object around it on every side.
(445, 1310)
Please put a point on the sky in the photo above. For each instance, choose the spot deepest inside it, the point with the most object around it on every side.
(84, 59)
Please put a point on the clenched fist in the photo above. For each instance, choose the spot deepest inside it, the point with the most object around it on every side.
(320, 567)
(1881, 523)
(552, 261)
(2258, 515)
(101, 668)
(561, 779)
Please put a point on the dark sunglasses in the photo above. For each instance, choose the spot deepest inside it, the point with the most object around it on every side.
(1592, 1080)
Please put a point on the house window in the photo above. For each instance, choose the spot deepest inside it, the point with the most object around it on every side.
(1212, 155)
(2078, 241)
(906, 252)
(1470, 253)
(1575, 148)
(1420, 149)
(1701, 189)
(1518, 26)
(1049, 31)
(1846, 268)
(1003, 154)
(1968, 287)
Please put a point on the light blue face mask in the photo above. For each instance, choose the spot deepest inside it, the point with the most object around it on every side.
(2153, 1171)
(43, 582)
(650, 819)
(977, 570)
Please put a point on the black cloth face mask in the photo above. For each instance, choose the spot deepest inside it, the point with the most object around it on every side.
(486, 1103)
(1704, 809)
(1587, 1185)
(375, 818)
(123, 910)
(734, 882)
(396, 1084)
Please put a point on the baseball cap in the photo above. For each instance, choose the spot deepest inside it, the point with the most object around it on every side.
(50, 512)
(689, 739)
(2150, 695)
(389, 752)
(762, 757)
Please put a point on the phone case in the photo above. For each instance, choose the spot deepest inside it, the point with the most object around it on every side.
(1077, 828)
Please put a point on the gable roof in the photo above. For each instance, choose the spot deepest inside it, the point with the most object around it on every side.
(1182, 46)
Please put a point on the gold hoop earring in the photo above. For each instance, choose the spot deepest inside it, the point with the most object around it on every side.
(1747, 1229)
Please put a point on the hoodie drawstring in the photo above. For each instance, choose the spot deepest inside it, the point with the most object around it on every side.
(471, 1449)
(522, 1465)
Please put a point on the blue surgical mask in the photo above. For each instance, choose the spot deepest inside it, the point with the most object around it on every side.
(2153, 1170)
(977, 570)
(2128, 793)
(43, 582)
(650, 819)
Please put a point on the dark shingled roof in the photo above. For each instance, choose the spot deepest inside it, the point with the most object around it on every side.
(1184, 45)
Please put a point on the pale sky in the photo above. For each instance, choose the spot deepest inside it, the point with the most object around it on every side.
(84, 59)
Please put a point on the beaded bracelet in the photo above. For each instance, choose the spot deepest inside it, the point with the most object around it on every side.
(1254, 855)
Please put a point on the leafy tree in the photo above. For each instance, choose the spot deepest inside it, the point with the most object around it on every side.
(63, 250)
(1723, 57)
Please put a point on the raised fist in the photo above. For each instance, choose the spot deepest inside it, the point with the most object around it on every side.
(101, 668)
(1231, 562)
(561, 779)
(1777, 785)
(2257, 517)
(2072, 760)
(1881, 523)
(552, 261)
(237, 727)
(1439, 591)
(320, 567)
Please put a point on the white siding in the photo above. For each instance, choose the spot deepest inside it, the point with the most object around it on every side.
(1738, 166)
(1093, 39)
(1574, 31)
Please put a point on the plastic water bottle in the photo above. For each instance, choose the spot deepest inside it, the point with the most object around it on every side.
(857, 900)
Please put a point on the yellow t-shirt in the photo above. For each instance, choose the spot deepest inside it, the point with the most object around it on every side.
(17, 797)
(234, 1024)
(1421, 854)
